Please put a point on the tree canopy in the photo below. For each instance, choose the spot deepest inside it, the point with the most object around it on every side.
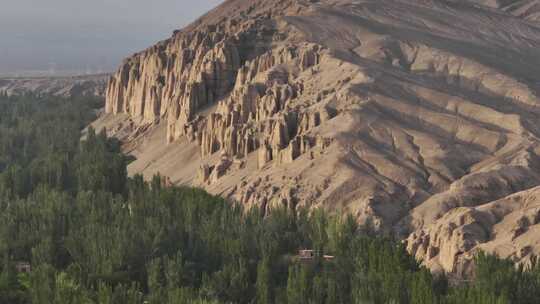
(93, 235)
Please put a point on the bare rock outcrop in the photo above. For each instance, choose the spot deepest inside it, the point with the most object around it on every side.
(504, 227)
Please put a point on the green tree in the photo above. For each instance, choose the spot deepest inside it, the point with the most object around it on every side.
(264, 282)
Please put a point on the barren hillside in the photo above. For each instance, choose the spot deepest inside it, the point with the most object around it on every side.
(420, 117)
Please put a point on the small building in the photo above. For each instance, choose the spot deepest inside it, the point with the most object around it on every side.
(328, 257)
(23, 267)
(310, 255)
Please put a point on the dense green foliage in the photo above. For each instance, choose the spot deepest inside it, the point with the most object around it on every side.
(93, 235)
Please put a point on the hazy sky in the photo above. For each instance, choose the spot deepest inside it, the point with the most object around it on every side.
(86, 34)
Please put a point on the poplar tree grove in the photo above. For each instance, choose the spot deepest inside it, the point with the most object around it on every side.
(91, 234)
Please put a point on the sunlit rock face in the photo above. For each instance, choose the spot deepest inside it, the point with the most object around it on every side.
(418, 117)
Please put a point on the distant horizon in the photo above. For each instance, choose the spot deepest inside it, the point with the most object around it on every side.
(59, 73)
(44, 74)
(70, 37)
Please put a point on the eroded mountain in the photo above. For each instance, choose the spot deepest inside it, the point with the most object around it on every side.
(420, 117)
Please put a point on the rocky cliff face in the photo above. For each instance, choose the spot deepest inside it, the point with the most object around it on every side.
(418, 117)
